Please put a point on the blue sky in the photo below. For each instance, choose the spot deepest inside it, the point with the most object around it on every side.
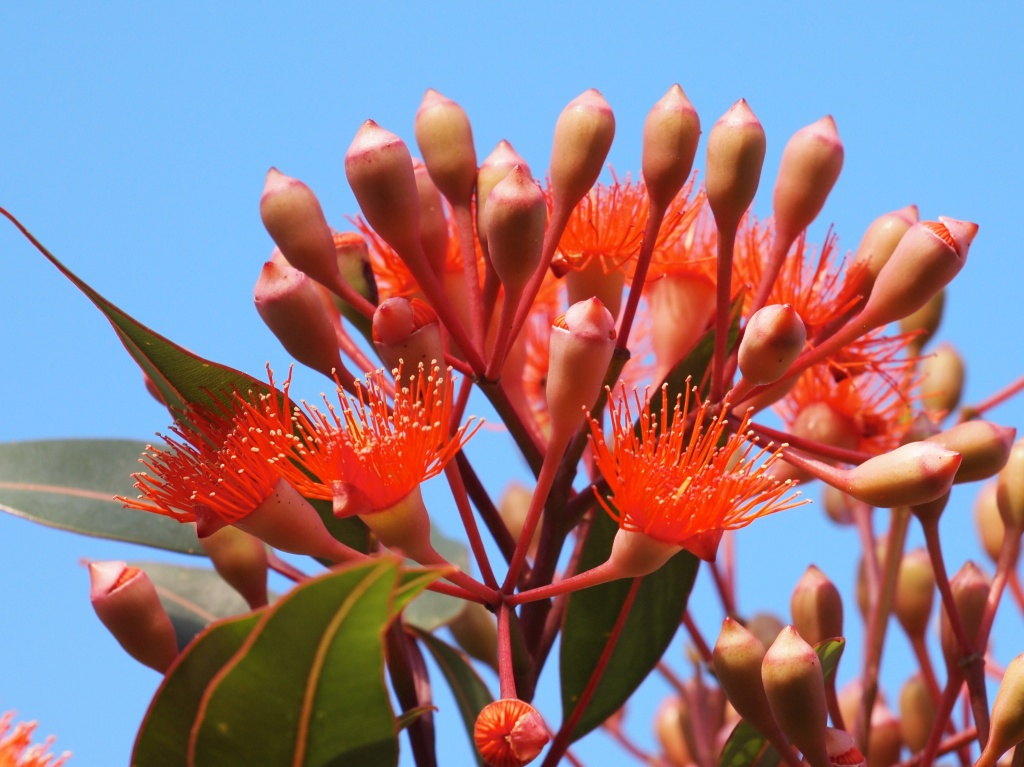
(134, 141)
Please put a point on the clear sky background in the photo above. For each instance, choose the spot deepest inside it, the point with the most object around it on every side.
(134, 141)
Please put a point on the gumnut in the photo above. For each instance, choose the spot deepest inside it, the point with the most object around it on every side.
(970, 588)
(810, 165)
(669, 726)
(984, 448)
(842, 749)
(515, 220)
(817, 607)
(1007, 722)
(583, 136)
(495, 167)
(241, 560)
(910, 474)
(773, 339)
(924, 322)
(915, 593)
(1010, 490)
(877, 246)
(737, 657)
(433, 223)
(795, 688)
(407, 332)
(475, 632)
(671, 132)
(942, 380)
(989, 520)
(917, 712)
(445, 139)
(736, 148)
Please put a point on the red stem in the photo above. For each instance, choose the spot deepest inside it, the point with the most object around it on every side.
(726, 246)
(476, 544)
(655, 217)
(506, 674)
(698, 639)
(996, 399)
(467, 245)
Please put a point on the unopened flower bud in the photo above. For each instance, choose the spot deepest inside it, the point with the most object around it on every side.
(765, 626)
(669, 727)
(910, 474)
(795, 688)
(737, 658)
(817, 607)
(682, 305)
(877, 246)
(842, 749)
(509, 733)
(445, 139)
(838, 505)
(989, 521)
(289, 303)
(513, 506)
(970, 592)
(917, 712)
(515, 220)
(1007, 723)
(433, 224)
(127, 603)
(849, 701)
(808, 170)
(475, 632)
(928, 256)
(772, 340)
(820, 422)
(495, 167)
(921, 428)
(671, 132)
(1010, 494)
(942, 380)
(583, 136)
(915, 593)
(241, 560)
(736, 147)
(884, 740)
(582, 342)
(354, 266)
(924, 322)
(379, 170)
(407, 332)
(984, 447)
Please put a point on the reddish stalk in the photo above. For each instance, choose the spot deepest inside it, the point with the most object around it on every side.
(1018, 590)
(476, 544)
(945, 708)
(286, 569)
(506, 674)
(485, 506)
(467, 245)
(723, 590)
(698, 639)
(924, 661)
(655, 217)
(807, 445)
(976, 411)
(726, 246)
(459, 408)
(950, 744)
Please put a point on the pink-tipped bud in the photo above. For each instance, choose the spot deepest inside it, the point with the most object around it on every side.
(682, 305)
(911, 474)
(290, 305)
(407, 331)
(924, 322)
(984, 446)
(772, 340)
(474, 630)
(838, 505)
(127, 603)
(379, 170)
(736, 148)
(1010, 492)
(295, 221)
(671, 132)
(795, 688)
(1007, 723)
(808, 170)
(989, 520)
(942, 380)
(884, 741)
(583, 136)
(445, 139)
(737, 657)
(509, 733)
(970, 587)
(241, 560)
(515, 220)
(495, 167)
(915, 593)
(877, 246)
(926, 259)
(820, 422)
(669, 724)
(917, 712)
(433, 224)
(842, 749)
(817, 607)
(582, 342)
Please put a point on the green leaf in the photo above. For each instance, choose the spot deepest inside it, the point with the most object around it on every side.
(307, 688)
(430, 610)
(71, 484)
(412, 715)
(829, 652)
(194, 597)
(471, 694)
(163, 737)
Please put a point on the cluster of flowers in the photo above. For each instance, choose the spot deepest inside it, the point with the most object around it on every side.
(545, 296)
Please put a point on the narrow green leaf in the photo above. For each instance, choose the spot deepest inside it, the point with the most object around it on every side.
(71, 484)
(307, 688)
(471, 694)
(409, 717)
(163, 737)
(829, 652)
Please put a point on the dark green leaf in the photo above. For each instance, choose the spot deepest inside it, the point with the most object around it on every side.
(471, 694)
(71, 484)
(308, 687)
(409, 717)
(163, 737)
(829, 652)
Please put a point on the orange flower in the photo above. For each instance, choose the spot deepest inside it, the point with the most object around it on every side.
(674, 487)
(16, 749)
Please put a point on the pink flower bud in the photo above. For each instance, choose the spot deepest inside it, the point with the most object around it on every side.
(495, 167)
(1007, 715)
(984, 447)
(877, 246)
(772, 340)
(737, 658)
(582, 342)
(290, 305)
(989, 519)
(294, 219)
(821, 422)
(241, 560)
(970, 587)
(682, 305)
(915, 593)
(433, 224)
(379, 170)
(583, 136)
(669, 726)
(445, 139)
(407, 332)
(816, 607)
(127, 603)
(924, 322)
(942, 380)
(795, 688)
(917, 713)
(1010, 489)
(509, 733)
(910, 474)
(736, 148)
(515, 220)
(808, 170)
(928, 256)
(671, 132)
